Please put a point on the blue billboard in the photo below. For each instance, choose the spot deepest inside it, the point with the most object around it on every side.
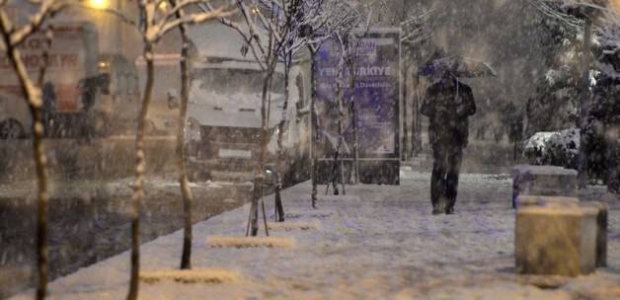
(371, 91)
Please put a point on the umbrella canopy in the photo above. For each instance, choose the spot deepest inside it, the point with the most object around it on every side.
(457, 66)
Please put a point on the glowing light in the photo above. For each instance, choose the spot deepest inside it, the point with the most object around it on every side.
(99, 4)
(616, 5)
(163, 6)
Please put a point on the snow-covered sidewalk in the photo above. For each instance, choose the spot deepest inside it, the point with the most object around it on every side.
(382, 244)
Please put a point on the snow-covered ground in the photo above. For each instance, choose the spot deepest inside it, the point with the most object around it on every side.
(382, 243)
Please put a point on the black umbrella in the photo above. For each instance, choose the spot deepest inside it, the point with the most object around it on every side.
(457, 66)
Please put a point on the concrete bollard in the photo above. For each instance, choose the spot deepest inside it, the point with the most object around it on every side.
(601, 217)
(556, 240)
(543, 180)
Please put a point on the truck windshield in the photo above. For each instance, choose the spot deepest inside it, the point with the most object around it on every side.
(244, 85)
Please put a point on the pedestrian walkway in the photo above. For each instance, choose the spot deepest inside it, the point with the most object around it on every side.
(378, 242)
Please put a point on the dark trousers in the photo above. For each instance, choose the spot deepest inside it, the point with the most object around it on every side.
(445, 179)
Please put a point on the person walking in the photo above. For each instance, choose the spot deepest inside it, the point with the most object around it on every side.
(448, 104)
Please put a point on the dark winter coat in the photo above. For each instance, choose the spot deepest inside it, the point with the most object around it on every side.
(448, 104)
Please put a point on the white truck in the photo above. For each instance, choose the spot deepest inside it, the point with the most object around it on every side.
(224, 114)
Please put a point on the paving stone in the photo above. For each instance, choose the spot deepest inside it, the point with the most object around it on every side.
(556, 240)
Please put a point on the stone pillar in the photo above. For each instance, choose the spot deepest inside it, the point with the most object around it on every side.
(544, 181)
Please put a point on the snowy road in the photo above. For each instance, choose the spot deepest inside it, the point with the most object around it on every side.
(383, 244)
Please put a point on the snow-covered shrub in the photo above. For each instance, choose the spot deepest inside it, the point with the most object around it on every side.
(561, 148)
(557, 148)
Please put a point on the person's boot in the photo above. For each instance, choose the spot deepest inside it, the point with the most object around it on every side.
(450, 210)
(439, 208)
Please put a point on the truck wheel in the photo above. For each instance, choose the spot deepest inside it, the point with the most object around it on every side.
(11, 129)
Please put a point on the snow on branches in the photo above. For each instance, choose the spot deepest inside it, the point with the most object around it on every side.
(158, 22)
(154, 23)
(605, 16)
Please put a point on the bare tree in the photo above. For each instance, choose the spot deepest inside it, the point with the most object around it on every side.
(186, 193)
(338, 15)
(588, 14)
(358, 21)
(277, 41)
(270, 61)
(294, 29)
(13, 36)
(262, 43)
(154, 24)
(338, 161)
(417, 24)
(348, 38)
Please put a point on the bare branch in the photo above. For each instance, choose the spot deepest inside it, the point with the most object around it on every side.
(246, 35)
(157, 32)
(47, 9)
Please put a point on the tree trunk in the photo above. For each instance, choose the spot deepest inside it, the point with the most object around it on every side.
(356, 153)
(138, 194)
(314, 125)
(340, 94)
(259, 180)
(352, 78)
(514, 151)
(333, 179)
(33, 95)
(416, 122)
(404, 115)
(279, 208)
(584, 107)
(340, 144)
(281, 127)
(180, 149)
(43, 198)
(35, 105)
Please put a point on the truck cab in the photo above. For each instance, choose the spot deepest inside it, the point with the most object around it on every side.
(225, 123)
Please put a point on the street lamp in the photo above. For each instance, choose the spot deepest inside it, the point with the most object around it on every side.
(99, 4)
